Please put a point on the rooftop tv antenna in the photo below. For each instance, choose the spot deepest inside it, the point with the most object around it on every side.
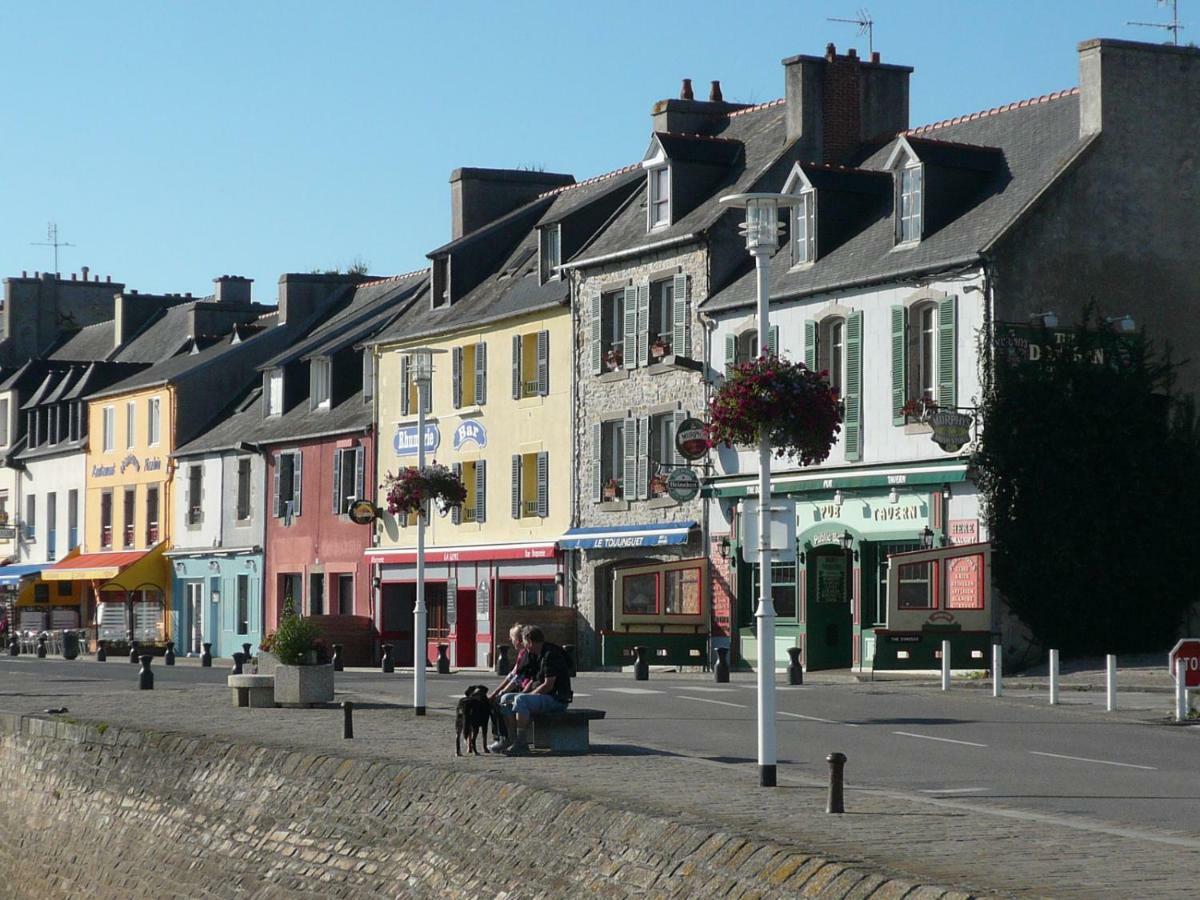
(52, 241)
(1173, 26)
(866, 25)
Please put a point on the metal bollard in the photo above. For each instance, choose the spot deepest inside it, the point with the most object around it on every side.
(997, 670)
(101, 653)
(41, 646)
(795, 669)
(721, 670)
(443, 660)
(1110, 682)
(1053, 677)
(337, 658)
(238, 661)
(1181, 691)
(347, 720)
(14, 646)
(206, 656)
(70, 645)
(503, 663)
(569, 650)
(134, 652)
(387, 666)
(837, 765)
(945, 665)
(641, 668)
(169, 656)
(146, 677)
(246, 652)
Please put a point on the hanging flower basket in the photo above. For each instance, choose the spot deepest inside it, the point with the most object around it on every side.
(410, 488)
(800, 411)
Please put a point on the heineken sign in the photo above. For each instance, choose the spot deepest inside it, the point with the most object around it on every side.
(690, 439)
(682, 484)
(950, 429)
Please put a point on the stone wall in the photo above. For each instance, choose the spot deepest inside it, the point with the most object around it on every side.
(124, 813)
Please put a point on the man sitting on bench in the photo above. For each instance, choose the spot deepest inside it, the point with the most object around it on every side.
(549, 692)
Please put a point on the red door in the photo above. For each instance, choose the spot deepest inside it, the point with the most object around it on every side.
(464, 644)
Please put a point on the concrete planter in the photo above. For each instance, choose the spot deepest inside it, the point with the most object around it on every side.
(267, 663)
(303, 685)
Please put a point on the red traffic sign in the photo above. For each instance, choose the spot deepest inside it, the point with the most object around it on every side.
(1187, 650)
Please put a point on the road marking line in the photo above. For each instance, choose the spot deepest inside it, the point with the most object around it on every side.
(631, 691)
(1103, 762)
(718, 702)
(816, 719)
(713, 690)
(954, 790)
(929, 737)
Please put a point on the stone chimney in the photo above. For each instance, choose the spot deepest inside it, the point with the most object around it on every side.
(232, 289)
(480, 196)
(689, 116)
(834, 103)
(1125, 84)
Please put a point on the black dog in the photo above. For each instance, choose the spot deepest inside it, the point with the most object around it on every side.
(474, 713)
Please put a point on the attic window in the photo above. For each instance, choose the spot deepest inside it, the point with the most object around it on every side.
(319, 395)
(804, 229)
(273, 391)
(659, 208)
(441, 281)
(551, 252)
(909, 203)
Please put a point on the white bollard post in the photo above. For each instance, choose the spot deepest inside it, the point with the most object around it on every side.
(997, 670)
(945, 665)
(1053, 677)
(1181, 697)
(1110, 682)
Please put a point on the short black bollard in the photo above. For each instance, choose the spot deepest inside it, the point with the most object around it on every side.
(134, 652)
(70, 645)
(387, 666)
(246, 652)
(721, 670)
(347, 720)
(41, 646)
(569, 650)
(795, 670)
(337, 658)
(238, 660)
(443, 662)
(101, 653)
(206, 656)
(641, 668)
(503, 663)
(146, 677)
(14, 646)
(837, 763)
(169, 656)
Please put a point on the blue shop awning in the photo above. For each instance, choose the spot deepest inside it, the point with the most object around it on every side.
(620, 536)
(10, 576)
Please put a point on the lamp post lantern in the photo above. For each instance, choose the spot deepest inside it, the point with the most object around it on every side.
(762, 240)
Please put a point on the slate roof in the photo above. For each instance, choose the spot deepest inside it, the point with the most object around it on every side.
(1036, 139)
(88, 343)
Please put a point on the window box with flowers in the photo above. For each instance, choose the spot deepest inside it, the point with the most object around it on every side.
(411, 488)
(658, 485)
(611, 490)
(614, 359)
(918, 410)
(660, 348)
(800, 412)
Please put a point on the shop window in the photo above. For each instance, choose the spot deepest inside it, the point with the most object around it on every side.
(783, 588)
(529, 593)
(916, 586)
(681, 592)
(640, 594)
(291, 589)
(435, 603)
(875, 608)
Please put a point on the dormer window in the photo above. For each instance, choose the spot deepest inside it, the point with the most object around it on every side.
(273, 392)
(910, 200)
(441, 282)
(804, 229)
(550, 252)
(318, 397)
(659, 207)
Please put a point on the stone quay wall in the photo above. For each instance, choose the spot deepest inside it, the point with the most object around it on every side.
(119, 812)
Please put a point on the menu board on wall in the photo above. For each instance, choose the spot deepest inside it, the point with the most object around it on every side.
(964, 582)
(831, 579)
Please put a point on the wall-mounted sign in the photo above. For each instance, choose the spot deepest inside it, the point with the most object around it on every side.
(782, 524)
(963, 531)
(690, 440)
(363, 512)
(950, 429)
(404, 441)
(153, 464)
(682, 484)
(964, 582)
(470, 432)
(148, 464)
(130, 462)
(483, 602)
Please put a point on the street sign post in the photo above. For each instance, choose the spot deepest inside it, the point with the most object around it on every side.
(1187, 650)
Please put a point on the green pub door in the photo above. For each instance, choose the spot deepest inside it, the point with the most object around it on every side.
(828, 616)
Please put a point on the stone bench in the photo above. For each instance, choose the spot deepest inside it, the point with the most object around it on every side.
(255, 691)
(564, 732)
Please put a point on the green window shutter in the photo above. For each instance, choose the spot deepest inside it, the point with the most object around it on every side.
(947, 397)
(516, 367)
(481, 491)
(456, 359)
(810, 344)
(730, 352)
(772, 340)
(643, 314)
(681, 320)
(337, 482)
(630, 467)
(456, 511)
(516, 486)
(852, 426)
(597, 455)
(405, 386)
(629, 349)
(596, 332)
(480, 373)
(543, 362)
(643, 458)
(677, 419)
(543, 484)
(899, 364)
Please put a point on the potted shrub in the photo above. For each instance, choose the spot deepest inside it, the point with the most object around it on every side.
(303, 675)
(410, 488)
(801, 413)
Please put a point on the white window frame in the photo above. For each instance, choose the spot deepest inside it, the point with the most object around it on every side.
(154, 421)
(612, 456)
(321, 383)
(910, 202)
(109, 418)
(831, 351)
(804, 229)
(746, 346)
(130, 424)
(275, 392)
(550, 252)
(658, 207)
(923, 347)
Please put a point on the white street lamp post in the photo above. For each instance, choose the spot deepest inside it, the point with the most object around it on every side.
(420, 366)
(762, 240)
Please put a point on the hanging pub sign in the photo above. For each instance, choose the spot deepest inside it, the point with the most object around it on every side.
(363, 512)
(682, 484)
(950, 429)
(690, 440)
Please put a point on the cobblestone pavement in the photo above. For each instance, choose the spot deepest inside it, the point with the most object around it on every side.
(930, 840)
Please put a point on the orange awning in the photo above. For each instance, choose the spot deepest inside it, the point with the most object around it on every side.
(94, 566)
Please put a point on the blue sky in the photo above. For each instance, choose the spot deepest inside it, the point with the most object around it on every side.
(176, 141)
